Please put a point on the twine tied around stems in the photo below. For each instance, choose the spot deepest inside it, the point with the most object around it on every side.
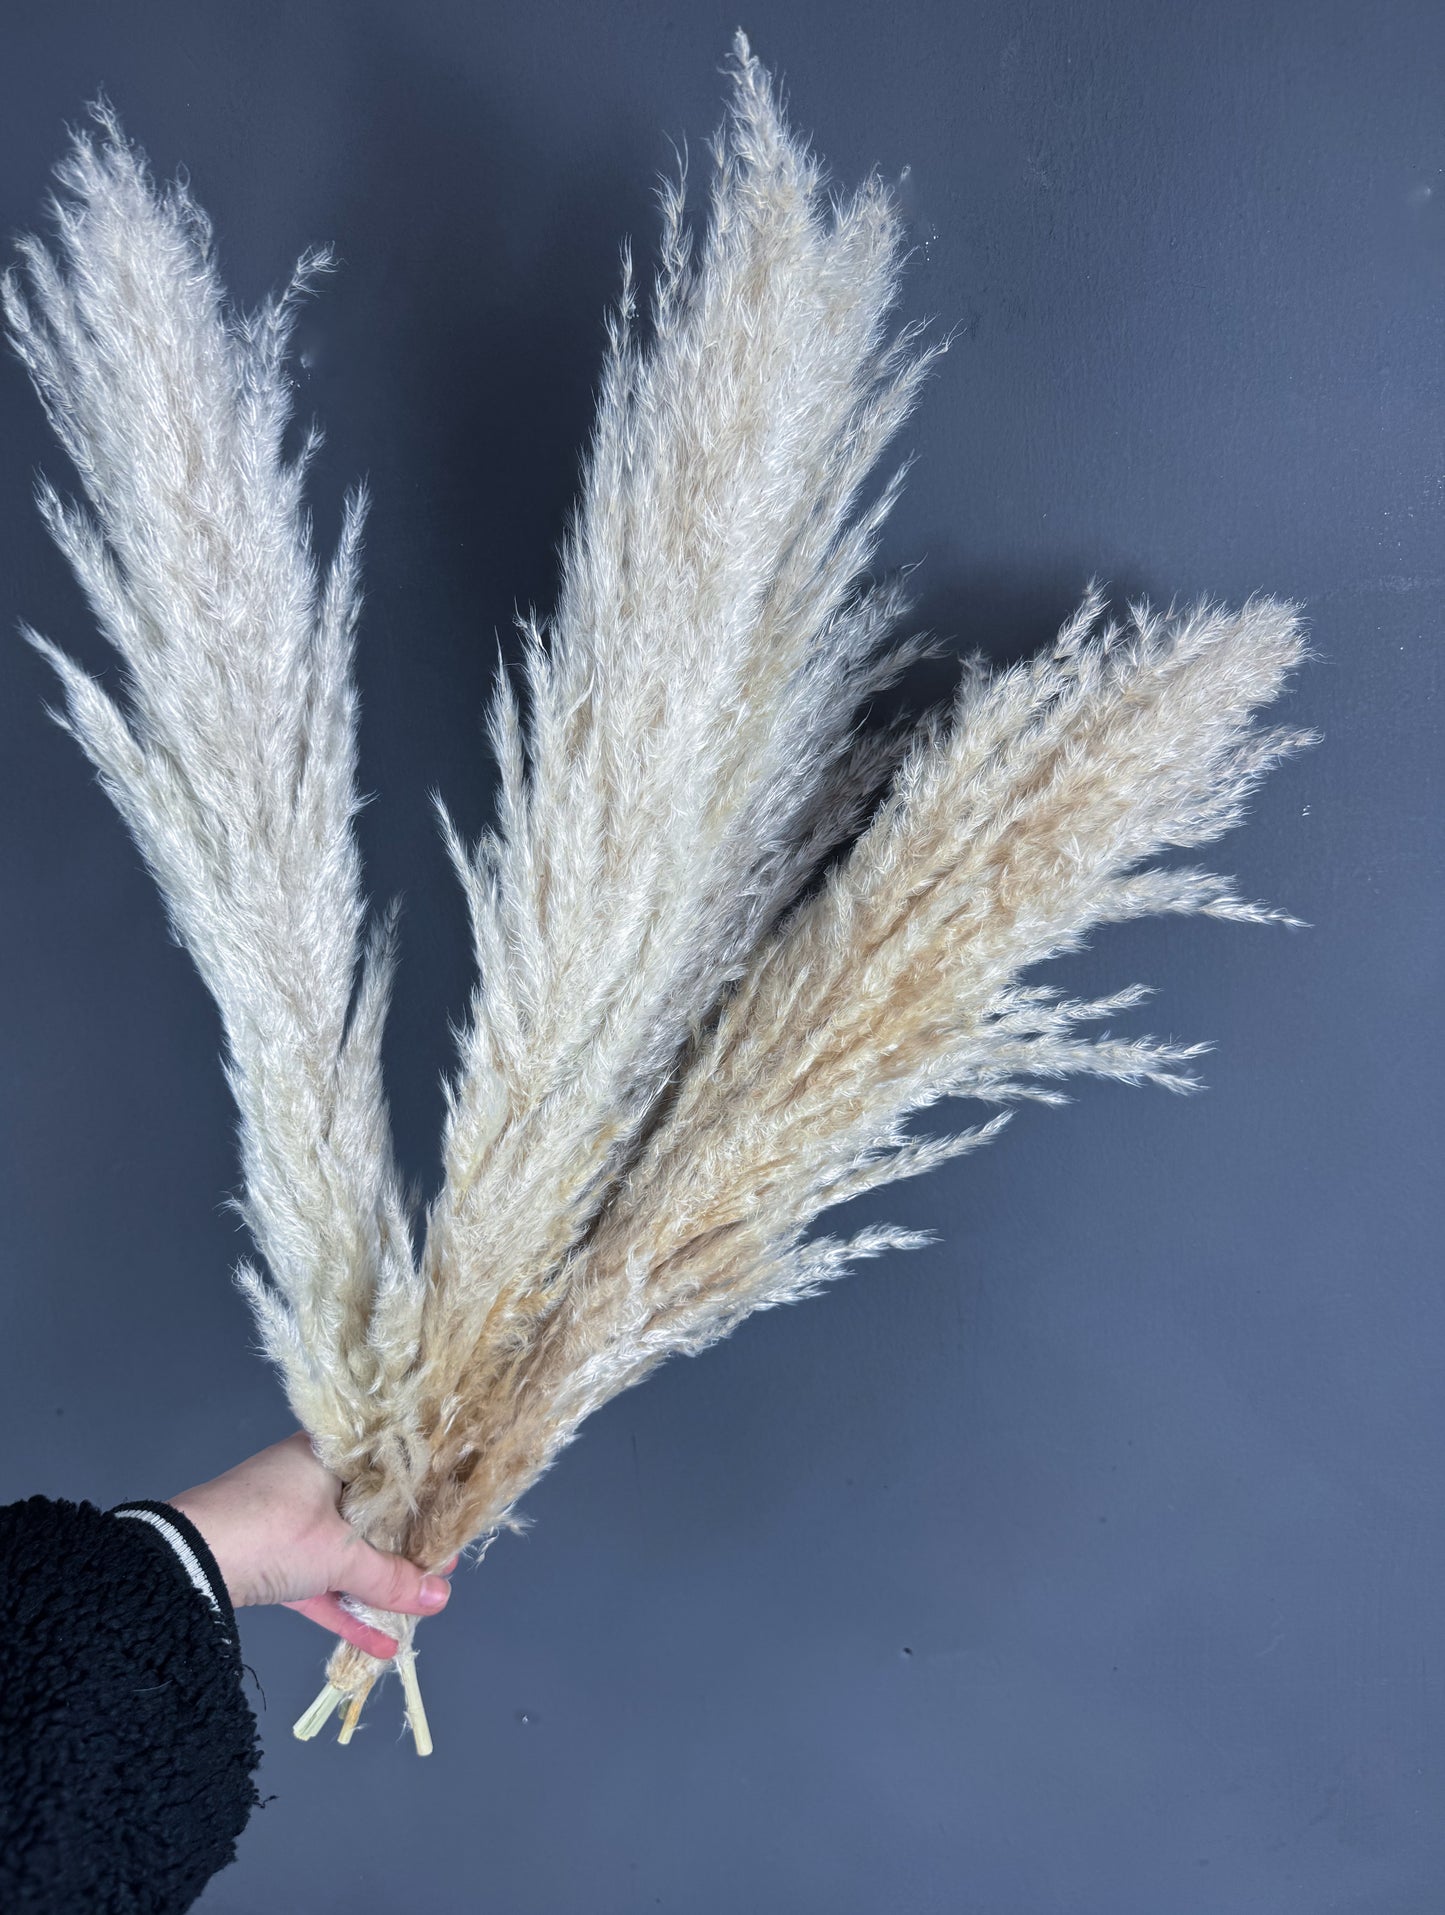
(352, 1672)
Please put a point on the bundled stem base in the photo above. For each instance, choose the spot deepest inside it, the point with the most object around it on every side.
(351, 1674)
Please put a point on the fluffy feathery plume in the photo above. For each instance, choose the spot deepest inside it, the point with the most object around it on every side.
(689, 757)
(232, 758)
(705, 1013)
(1011, 831)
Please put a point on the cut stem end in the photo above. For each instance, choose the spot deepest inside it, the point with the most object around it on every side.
(415, 1710)
(317, 1716)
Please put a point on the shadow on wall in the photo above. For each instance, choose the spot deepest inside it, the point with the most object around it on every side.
(1006, 615)
(456, 367)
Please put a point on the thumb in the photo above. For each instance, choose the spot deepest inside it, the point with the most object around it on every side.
(390, 1582)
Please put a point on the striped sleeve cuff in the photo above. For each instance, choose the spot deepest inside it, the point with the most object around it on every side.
(189, 1549)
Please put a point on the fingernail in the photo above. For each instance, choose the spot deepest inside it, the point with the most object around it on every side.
(434, 1591)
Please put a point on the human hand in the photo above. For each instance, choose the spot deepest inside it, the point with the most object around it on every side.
(275, 1528)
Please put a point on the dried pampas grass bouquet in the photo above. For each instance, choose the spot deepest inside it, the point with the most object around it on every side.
(728, 939)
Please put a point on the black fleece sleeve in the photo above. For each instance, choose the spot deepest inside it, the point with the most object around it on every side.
(127, 1745)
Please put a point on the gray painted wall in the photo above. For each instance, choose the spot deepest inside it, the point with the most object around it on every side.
(1088, 1563)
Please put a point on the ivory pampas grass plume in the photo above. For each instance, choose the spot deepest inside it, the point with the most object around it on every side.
(728, 941)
